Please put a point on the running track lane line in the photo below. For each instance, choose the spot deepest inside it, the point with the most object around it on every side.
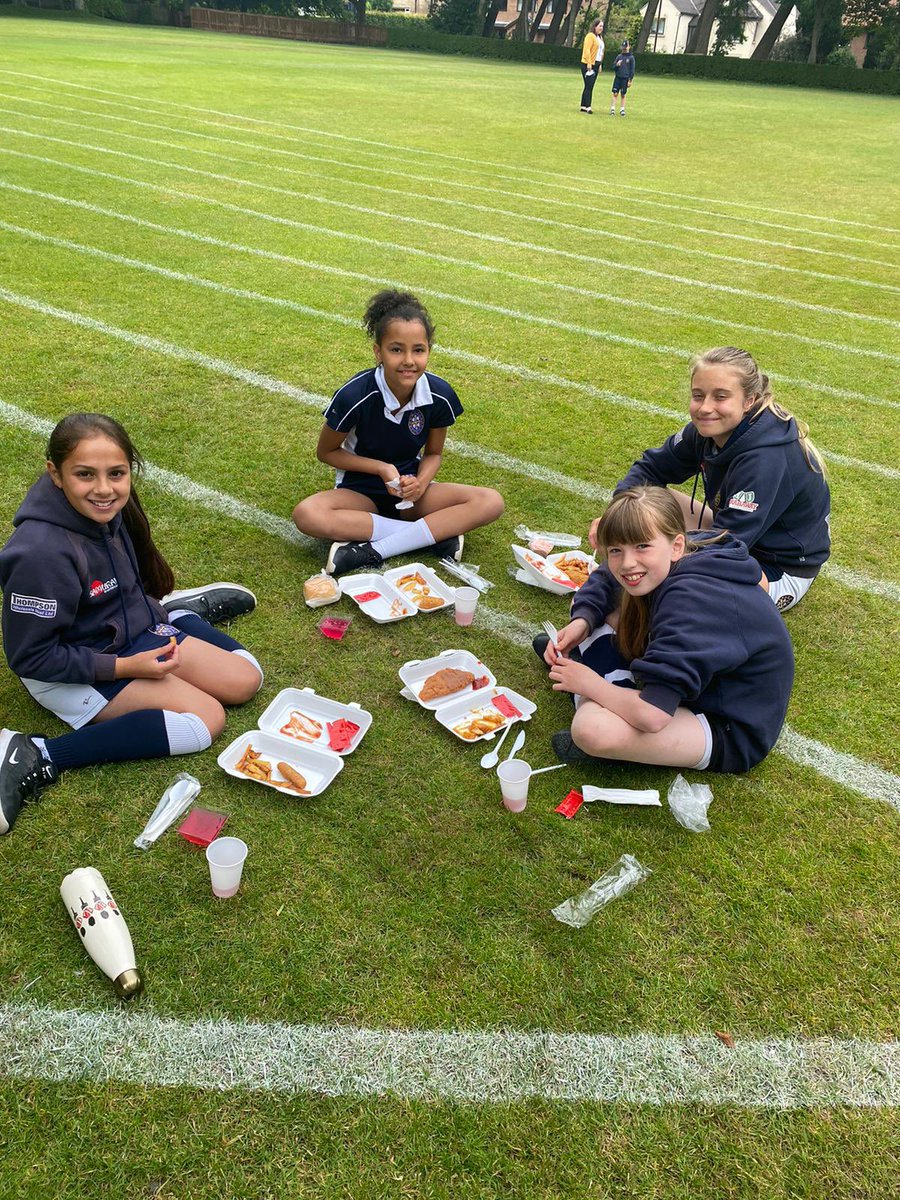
(558, 178)
(867, 779)
(470, 1066)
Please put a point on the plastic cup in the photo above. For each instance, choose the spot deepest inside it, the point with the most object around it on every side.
(514, 775)
(226, 863)
(465, 600)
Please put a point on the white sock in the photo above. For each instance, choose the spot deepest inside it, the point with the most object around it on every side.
(175, 613)
(383, 526)
(411, 536)
(186, 732)
(242, 653)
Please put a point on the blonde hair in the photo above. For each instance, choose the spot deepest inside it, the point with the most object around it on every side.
(755, 386)
(637, 515)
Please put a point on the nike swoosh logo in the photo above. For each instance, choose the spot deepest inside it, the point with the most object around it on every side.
(14, 757)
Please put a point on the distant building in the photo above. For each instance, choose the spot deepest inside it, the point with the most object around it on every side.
(675, 27)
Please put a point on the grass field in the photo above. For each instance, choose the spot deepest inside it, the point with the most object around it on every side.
(190, 226)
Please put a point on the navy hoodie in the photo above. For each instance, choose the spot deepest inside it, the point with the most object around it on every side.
(759, 486)
(718, 646)
(72, 594)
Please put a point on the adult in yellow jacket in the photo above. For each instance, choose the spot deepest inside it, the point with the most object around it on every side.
(591, 62)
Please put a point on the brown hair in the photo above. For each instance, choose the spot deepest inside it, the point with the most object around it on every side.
(636, 515)
(755, 386)
(391, 305)
(156, 574)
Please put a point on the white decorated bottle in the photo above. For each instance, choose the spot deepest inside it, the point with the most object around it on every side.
(102, 929)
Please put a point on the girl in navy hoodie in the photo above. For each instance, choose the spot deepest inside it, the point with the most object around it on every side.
(681, 659)
(84, 629)
(763, 480)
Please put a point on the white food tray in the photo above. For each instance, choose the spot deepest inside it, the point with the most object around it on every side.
(416, 671)
(456, 711)
(542, 571)
(379, 610)
(433, 582)
(318, 767)
(320, 708)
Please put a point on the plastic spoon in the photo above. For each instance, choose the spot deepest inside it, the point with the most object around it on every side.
(517, 745)
(493, 756)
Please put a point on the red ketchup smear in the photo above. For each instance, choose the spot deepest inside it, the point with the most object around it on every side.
(367, 597)
(481, 682)
(505, 706)
(569, 583)
(341, 734)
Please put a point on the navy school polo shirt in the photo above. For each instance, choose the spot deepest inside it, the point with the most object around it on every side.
(375, 426)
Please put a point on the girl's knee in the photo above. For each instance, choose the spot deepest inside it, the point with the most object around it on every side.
(212, 714)
(304, 515)
(592, 733)
(494, 503)
(245, 681)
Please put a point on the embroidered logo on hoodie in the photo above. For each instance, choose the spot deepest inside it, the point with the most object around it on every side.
(100, 589)
(33, 606)
(745, 501)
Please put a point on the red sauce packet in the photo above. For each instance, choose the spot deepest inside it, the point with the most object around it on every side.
(505, 706)
(570, 805)
(341, 734)
(367, 597)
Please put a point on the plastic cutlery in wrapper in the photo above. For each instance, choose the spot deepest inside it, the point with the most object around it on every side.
(467, 572)
(689, 802)
(650, 797)
(578, 911)
(568, 541)
(175, 800)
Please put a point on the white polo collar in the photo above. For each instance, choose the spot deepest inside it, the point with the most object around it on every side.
(393, 410)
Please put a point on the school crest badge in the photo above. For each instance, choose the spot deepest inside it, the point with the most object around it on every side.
(415, 422)
(745, 501)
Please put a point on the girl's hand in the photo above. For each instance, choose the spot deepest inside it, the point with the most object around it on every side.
(149, 664)
(570, 635)
(571, 676)
(412, 488)
(388, 473)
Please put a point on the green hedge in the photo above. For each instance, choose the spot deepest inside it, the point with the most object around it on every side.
(849, 79)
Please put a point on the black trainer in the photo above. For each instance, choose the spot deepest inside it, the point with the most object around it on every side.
(566, 750)
(449, 548)
(24, 773)
(344, 557)
(214, 602)
(539, 644)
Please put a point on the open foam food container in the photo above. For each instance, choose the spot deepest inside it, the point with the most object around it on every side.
(318, 767)
(433, 582)
(378, 609)
(542, 571)
(417, 670)
(456, 711)
(321, 709)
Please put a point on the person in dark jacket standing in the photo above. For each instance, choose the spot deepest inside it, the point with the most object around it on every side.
(85, 631)
(623, 75)
(682, 660)
(763, 479)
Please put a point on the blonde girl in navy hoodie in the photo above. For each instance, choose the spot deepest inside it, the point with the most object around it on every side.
(84, 629)
(763, 479)
(681, 622)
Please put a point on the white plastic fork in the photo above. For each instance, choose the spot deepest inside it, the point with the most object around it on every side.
(552, 633)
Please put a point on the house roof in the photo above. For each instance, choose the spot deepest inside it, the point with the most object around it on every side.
(693, 8)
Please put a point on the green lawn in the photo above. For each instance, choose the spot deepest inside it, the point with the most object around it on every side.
(405, 896)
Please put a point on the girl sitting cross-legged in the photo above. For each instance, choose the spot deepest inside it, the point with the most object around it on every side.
(674, 653)
(84, 629)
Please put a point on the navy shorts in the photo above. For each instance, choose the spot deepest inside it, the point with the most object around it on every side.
(620, 85)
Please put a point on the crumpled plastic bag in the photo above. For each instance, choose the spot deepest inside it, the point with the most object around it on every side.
(621, 877)
(689, 802)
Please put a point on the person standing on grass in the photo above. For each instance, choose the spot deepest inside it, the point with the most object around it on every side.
(386, 428)
(591, 63)
(623, 77)
(90, 631)
(763, 479)
(681, 659)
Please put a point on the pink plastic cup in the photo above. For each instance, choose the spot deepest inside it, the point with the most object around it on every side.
(514, 775)
(465, 603)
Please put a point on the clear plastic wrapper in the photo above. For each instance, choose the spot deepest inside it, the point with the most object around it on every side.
(579, 911)
(689, 803)
(568, 541)
(468, 573)
(175, 800)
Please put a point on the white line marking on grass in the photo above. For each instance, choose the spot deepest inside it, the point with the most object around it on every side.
(466, 1066)
(858, 581)
(491, 189)
(321, 400)
(560, 179)
(407, 194)
(493, 239)
(180, 485)
(380, 281)
(869, 780)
